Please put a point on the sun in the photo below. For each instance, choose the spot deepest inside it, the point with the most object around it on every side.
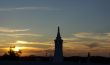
(17, 49)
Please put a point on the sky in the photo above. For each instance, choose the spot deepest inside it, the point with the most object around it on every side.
(32, 25)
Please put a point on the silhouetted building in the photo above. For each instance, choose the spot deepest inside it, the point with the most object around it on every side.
(58, 53)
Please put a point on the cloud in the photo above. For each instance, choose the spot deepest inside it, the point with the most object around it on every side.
(22, 43)
(28, 8)
(91, 35)
(14, 32)
(9, 30)
(93, 45)
(90, 39)
(70, 39)
(19, 35)
(26, 42)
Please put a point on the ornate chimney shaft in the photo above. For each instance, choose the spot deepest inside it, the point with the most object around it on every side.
(58, 53)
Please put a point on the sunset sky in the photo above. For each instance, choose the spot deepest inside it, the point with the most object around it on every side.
(32, 26)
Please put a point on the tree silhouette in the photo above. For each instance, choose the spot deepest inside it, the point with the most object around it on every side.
(12, 55)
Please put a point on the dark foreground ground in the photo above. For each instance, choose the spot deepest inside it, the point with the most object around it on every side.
(37, 60)
(44, 63)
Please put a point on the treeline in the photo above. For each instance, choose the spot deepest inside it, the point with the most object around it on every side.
(74, 59)
(92, 59)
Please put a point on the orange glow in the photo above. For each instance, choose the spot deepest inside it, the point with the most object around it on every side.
(17, 48)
